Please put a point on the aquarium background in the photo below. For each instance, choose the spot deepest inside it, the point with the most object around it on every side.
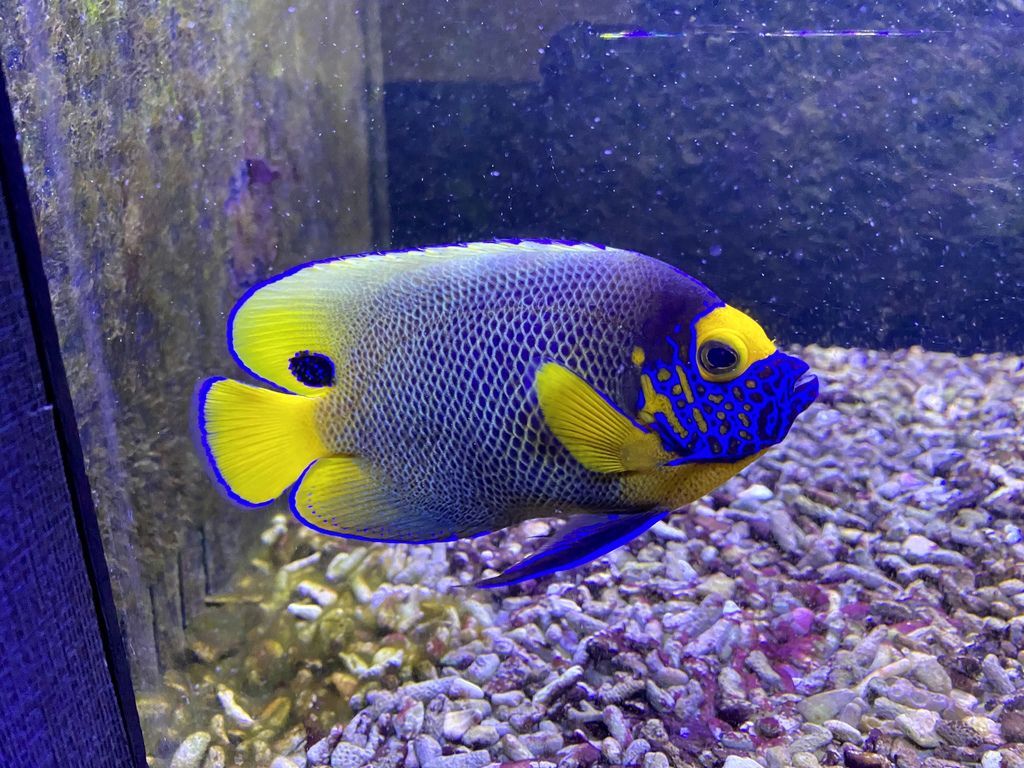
(864, 193)
(177, 154)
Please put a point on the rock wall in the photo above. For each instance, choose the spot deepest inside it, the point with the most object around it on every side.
(177, 153)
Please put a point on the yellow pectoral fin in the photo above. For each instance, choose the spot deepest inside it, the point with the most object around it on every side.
(598, 435)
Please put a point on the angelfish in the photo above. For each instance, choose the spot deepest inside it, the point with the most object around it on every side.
(446, 392)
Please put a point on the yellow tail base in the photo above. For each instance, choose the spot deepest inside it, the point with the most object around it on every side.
(258, 442)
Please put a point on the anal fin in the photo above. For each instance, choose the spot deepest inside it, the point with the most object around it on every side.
(342, 496)
(582, 539)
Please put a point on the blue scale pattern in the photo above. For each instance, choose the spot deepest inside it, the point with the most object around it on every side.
(438, 395)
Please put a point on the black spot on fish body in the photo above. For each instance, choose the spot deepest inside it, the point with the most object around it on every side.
(313, 369)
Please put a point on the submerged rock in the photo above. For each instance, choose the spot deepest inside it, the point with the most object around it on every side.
(852, 598)
(919, 726)
(733, 761)
(348, 755)
(457, 722)
(480, 736)
(191, 751)
(826, 705)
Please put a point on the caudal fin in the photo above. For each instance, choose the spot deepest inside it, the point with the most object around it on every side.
(258, 441)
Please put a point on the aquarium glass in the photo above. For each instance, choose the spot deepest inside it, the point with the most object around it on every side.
(850, 176)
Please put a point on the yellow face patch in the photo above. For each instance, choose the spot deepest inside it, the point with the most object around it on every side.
(726, 330)
(679, 485)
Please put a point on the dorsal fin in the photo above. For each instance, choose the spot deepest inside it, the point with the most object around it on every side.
(306, 310)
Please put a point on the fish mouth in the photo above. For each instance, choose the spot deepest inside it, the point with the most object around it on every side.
(805, 383)
(806, 388)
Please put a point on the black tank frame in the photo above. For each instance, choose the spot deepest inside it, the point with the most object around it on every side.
(65, 687)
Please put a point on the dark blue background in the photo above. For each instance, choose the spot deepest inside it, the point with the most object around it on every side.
(858, 192)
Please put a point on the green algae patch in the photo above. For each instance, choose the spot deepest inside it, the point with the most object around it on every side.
(174, 156)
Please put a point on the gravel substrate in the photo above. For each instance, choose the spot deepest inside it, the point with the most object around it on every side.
(855, 598)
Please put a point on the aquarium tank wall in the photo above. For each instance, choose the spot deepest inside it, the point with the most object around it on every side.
(849, 176)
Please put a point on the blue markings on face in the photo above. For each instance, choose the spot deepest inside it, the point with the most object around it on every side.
(312, 369)
(728, 420)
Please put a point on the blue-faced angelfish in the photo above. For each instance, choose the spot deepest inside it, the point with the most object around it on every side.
(447, 392)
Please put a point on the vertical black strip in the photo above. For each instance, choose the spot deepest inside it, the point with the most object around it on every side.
(373, 101)
(30, 264)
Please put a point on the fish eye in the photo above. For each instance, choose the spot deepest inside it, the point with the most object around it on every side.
(717, 357)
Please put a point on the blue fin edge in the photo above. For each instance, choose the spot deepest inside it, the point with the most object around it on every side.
(201, 436)
(591, 537)
(293, 505)
(330, 259)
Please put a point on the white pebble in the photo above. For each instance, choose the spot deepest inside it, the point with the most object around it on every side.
(321, 595)
(611, 749)
(348, 755)
(232, 709)
(480, 736)
(304, 562)
(360, 590)
(1012, 534)
(751, 498)
(667, 532)
(388, 657)
(305, 611)
(536, 529)
(919, 726)
(559, 685)
(271, 535)
(461, 688)
(457, 722)
(732, 761)
(915, 547)
(191, 751)
(483, 668)
(345, 562)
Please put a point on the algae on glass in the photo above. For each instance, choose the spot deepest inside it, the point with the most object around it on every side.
(175, 154)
